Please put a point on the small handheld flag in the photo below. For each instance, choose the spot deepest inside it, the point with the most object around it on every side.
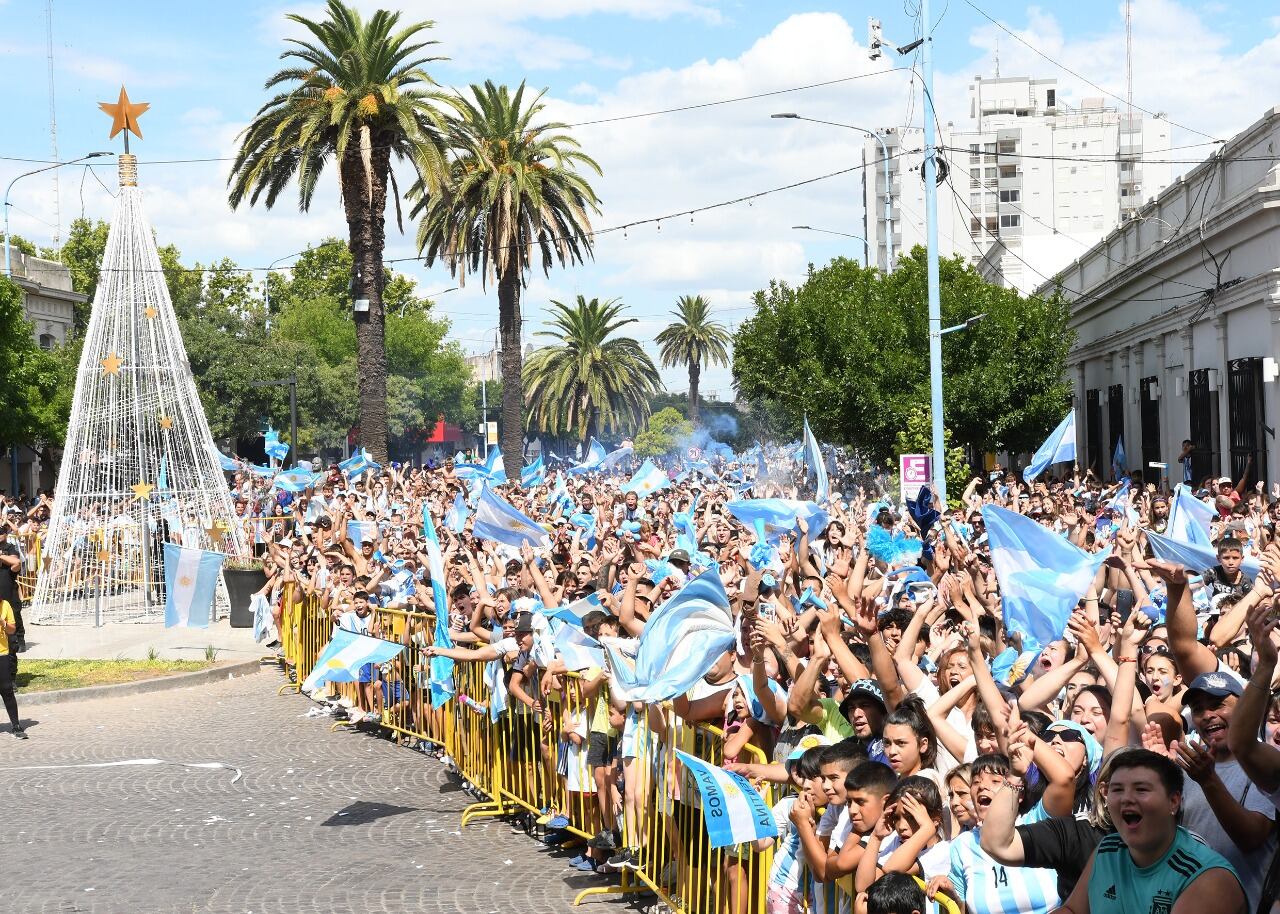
(733, 811)
(345, 654)
(647, 480)
(1060, 446)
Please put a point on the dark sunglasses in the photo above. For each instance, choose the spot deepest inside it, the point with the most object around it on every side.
(1067, 736)
(1147, 650)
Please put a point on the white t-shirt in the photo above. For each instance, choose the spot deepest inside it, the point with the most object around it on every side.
(934, 861)
(929, 694)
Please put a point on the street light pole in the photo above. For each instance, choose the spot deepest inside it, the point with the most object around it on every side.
(8, 266)
(866, 247)
(888, 184)
(930, 173)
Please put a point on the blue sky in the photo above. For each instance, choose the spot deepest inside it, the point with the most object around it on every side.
(201, 66)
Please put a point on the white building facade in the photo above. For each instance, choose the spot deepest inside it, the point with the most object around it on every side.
(1031, 182)
(1177, 316)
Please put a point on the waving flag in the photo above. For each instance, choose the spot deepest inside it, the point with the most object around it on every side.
(1195, 556)
(295, 481)
(1118, 459)
(263, 472)
(587, 521)
(533, 474)
(362, 531)
(813, 459)
(779, 515)
(1190, 519)
(574, 612)
(455, 518)
(616, 457)
(593, 460)
(493, 467)
(228, 464)
(1060, 446)
(498, 521)
(1042, 576)
(578, 649)
(358, 463)
(441, 678)
(190, 582)
(732, 810)
(647, 480)
(683, 639)
(275, 448)
(345, 654)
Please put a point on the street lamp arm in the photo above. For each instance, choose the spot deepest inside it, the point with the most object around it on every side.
(8, 268)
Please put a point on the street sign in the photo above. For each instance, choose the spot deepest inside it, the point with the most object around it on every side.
(914, 472)
(493, 433)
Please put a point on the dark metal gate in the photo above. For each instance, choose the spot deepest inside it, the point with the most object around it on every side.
(1150, 418)
(1203, 406)
(1115, 425)
(1247, 416)
(1093, 433)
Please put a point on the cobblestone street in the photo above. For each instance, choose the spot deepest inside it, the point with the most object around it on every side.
(314, 821)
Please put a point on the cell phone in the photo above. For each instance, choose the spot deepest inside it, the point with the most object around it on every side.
(767, 610)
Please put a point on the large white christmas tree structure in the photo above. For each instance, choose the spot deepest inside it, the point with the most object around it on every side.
(139, 468)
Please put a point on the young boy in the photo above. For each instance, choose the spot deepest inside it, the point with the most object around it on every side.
(909, 836)
(786, 891)
(866, 788)
(892, 893)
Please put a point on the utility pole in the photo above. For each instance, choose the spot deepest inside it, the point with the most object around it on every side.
(929, 172)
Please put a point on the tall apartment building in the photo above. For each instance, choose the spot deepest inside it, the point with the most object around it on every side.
(1030, 185)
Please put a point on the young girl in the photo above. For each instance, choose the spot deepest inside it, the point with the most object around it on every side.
(959, 801)
(909, 741)
(909, 838)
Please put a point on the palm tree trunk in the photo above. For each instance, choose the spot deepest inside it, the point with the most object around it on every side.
(510, 363)
(695, 373)
(366, 231)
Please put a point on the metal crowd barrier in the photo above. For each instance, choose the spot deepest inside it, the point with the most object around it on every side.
(30, 544)
(534, 763)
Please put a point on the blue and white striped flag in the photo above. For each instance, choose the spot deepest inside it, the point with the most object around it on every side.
(1060, 446)
(1195, 556)
(594, 458)
(494, 469)
(1190, 519)
(358, 463)
(362, 531)
(441, 678)
(683, 639)
(733, 811)
(498, 521)
(1042, 576)
(578, 649)
(228, 464)
(275, 448)
(455, 518)
(617, 457)
(262, 472)
(295, 481)
(533, 474)
(648, 479)
(1118, 459)
(345, 654)
(779, 515)
(574, 612)
(813, 459)
(190, 583)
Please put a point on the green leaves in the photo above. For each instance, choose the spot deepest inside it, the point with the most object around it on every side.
(850, 348)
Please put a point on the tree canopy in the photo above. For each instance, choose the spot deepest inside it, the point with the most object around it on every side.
(849, 348)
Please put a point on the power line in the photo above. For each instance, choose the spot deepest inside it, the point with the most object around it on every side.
(1080, 76)
(1103, 159)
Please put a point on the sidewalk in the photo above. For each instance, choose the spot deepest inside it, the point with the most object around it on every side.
(134, 641)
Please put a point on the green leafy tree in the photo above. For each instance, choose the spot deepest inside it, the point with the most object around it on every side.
(18, 243)
(588, 383)
(30, 375)
(666, 429)
(849, 347)
(513, 191)
(693, 339)
(358, 93)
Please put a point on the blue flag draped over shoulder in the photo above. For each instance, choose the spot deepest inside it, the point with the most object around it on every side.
(496, 520)
(813, 459)
(733, 811)
(441, 678)
(1042, 576)
(683, 639)
(1060, 446)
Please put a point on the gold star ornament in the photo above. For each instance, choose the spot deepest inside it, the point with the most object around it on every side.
(111, 364)
(166, 423)
(150, 312)
(142, 491)
(124, 114)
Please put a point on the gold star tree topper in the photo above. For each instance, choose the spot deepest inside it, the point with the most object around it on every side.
(124, 115)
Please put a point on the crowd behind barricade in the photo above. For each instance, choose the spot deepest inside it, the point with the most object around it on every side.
(915, 744)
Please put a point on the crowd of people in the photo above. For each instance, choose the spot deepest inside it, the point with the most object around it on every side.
(1130, 764)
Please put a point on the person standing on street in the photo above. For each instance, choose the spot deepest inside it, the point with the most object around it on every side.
(10, 566)
(9, 668)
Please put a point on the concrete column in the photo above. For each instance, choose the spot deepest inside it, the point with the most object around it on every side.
(1271, 397)
(1082, 416)
(1166, 394)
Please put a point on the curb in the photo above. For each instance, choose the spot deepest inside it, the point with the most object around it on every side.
(143, 686)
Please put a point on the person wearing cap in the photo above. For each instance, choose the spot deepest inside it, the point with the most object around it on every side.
(1220, 803)
(680, 559)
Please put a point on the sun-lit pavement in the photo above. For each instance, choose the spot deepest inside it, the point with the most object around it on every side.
(299, 820)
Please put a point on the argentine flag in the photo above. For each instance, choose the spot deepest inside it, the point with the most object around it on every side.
(813, 459)
(578, 649)
(733, 811)
(1059, 447)
(441, 667)
(358, 463)
(295, 481)
(1118, 459)
(648, 479)
(683, 638)
(190, 582)
(498, 521)
(779, 515)
(455, 518)
(228, 464)
(574, 612)
(533, 474)
(1042, 576)
(594, 458)
(361, 532)
(1190, 519)
(275, 448)
(345, 654)
(616, 457)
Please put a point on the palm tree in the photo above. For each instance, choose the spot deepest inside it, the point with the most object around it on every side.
(589, 383)
(357, 93)
(512, 189)
(695, 340)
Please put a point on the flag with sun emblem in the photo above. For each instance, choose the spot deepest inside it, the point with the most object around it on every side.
(345, 654)
(191, 582)
(733, 810)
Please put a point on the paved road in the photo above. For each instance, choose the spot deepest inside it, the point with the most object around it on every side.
(317, 822)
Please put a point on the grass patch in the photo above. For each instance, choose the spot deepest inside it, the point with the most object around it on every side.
(47, 675)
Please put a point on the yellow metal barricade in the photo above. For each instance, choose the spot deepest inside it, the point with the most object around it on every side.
(30, 570)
